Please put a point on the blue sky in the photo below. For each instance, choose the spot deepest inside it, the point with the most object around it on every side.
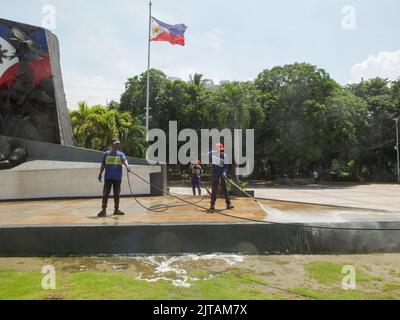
(105, 42)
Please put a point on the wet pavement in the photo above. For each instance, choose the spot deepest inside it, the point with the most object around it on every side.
(84, 212)
(326, 203)
(368, 196)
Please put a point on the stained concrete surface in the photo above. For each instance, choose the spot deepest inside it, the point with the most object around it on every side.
(84, 212)
(368, 196)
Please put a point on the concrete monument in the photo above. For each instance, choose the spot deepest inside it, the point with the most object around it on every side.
(35, 126)
(32, 99)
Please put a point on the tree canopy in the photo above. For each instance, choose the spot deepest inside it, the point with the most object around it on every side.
(95, 127)
(303, 119)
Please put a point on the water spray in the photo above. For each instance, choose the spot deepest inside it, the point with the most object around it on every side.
(294, 225)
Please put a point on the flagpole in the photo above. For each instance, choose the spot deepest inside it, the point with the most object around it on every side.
(148, 73)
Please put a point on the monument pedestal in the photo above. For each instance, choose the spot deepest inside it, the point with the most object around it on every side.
(41, 127)
(43, 179)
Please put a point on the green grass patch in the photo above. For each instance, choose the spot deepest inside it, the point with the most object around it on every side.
(233, 284)
(330, 276)
(338, 294)
(118, 286)
(99, 286)
(325, 295)
(331, 273)
(391, 286)
(20, 285)
(200, 274)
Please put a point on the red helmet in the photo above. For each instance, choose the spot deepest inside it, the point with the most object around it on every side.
(220, 146)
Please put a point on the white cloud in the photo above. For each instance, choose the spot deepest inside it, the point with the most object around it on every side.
(384, 64)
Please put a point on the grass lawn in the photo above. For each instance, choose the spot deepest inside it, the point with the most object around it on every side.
(256, 277)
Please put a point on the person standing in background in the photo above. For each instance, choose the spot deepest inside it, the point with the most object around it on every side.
(196, 171)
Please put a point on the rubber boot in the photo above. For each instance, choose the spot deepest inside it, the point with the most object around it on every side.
(102, 213)
(118, 212)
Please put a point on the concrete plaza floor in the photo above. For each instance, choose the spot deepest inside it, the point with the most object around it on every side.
(84, 211)
(368, 196)
(325, 203)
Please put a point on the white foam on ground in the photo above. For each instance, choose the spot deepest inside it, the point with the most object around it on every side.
(164, 266)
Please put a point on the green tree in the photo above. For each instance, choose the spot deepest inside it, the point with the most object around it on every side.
(307, 116)
(80, 123)
(94, 128)
(196, 79)
(378, 137)
(133, 99)
(303, 119)
(236, 105)
(395, 93)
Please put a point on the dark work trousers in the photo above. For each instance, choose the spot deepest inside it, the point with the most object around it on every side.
(116, 185)
(196, 185)
(216, 181)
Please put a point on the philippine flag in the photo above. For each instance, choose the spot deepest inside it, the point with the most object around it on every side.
(161, 31)
(39, 67)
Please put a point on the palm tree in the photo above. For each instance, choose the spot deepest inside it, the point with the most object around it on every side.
(79, 122)
(234, 103)
(94, 127)
(197, 79)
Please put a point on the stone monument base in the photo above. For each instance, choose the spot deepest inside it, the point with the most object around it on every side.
(41, 179)
(57, 171)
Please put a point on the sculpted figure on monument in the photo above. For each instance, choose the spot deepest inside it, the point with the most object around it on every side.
(27, 100)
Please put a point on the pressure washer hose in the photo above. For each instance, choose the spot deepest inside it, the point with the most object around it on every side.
(219, 212)
(246, 193)
(158, 208)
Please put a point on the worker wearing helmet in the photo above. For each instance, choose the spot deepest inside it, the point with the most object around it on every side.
(196, 171)
(220, 169)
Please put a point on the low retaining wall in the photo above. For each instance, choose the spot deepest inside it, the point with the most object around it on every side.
(74, 164)
(58, 179)
(245, 238)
